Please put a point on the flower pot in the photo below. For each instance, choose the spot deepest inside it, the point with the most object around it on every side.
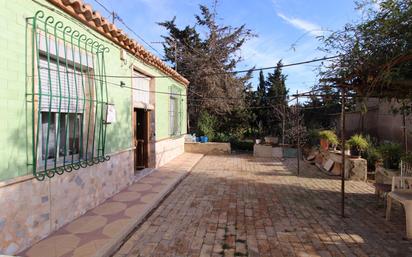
(354, 152)
(204, 139)
(258, 141)
(324, 144)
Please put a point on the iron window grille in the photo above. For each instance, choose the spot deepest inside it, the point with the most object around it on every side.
(69, 98)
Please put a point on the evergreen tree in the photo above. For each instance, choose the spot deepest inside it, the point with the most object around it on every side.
(276, 100)
(198, 56)
(261, 105)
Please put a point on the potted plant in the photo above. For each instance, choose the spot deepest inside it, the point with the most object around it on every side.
(357, 144)
(327, 137)
(391, 155)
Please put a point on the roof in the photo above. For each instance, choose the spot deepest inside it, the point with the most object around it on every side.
(93, 19)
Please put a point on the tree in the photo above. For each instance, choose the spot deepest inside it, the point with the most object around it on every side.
(207, 61)
(320, 112)
(261, 105)
(277, 101)
(375, 53)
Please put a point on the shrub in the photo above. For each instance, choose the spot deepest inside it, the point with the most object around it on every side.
(330, 136)
(242, 145)
(358, 142)
(391, 155)
(407, 158)
(371, 154)
(292, 135)
(313, 137)
(206, 125)
(222, 137)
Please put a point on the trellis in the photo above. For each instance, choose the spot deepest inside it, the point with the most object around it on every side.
(69, 98)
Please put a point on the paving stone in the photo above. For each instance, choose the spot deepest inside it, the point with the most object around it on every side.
(237, 205)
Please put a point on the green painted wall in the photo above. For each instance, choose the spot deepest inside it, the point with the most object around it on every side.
(15, 113)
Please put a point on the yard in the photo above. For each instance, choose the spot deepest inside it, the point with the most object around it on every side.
(237, 205)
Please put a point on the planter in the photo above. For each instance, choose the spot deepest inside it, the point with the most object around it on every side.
(289, 152)
(262, 151)
(324, 144)
(258, 141)
(355, 153)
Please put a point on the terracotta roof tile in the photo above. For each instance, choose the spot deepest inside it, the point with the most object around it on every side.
(85, 13)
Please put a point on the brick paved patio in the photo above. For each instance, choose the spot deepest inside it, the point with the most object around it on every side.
(241, 206)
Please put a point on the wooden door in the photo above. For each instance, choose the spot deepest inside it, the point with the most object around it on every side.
(141, 138)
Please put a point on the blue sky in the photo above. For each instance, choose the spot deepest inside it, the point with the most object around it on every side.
(278, 24)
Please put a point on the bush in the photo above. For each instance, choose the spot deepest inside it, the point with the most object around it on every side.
(313, 137)
(371, 154)
(222, 137)
(391, 155)
(407, 158)
(330, 136)
(206, 125)
(244, 145)
(358, 142)
(292, 135)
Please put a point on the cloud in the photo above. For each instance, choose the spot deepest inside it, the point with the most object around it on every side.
(307, 26)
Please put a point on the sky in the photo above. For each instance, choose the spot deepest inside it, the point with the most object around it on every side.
(285, 29)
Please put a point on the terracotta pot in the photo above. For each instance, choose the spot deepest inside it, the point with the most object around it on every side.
(324, 144)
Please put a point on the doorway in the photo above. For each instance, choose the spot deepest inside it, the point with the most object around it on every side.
(141, 138)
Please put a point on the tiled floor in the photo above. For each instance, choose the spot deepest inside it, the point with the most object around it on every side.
(97, 230)
(241, 206)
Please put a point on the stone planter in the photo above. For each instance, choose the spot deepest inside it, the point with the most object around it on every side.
(289, 152)
(355, 168)
(263, 151)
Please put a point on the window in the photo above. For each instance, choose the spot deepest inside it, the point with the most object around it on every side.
(62, 110)
(69, 98)
(174, 126)
(175, 111)
(68, 135)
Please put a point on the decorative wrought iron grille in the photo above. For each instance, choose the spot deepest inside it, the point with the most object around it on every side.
(69, 98)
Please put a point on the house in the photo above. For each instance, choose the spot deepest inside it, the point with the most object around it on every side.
(85, 111)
